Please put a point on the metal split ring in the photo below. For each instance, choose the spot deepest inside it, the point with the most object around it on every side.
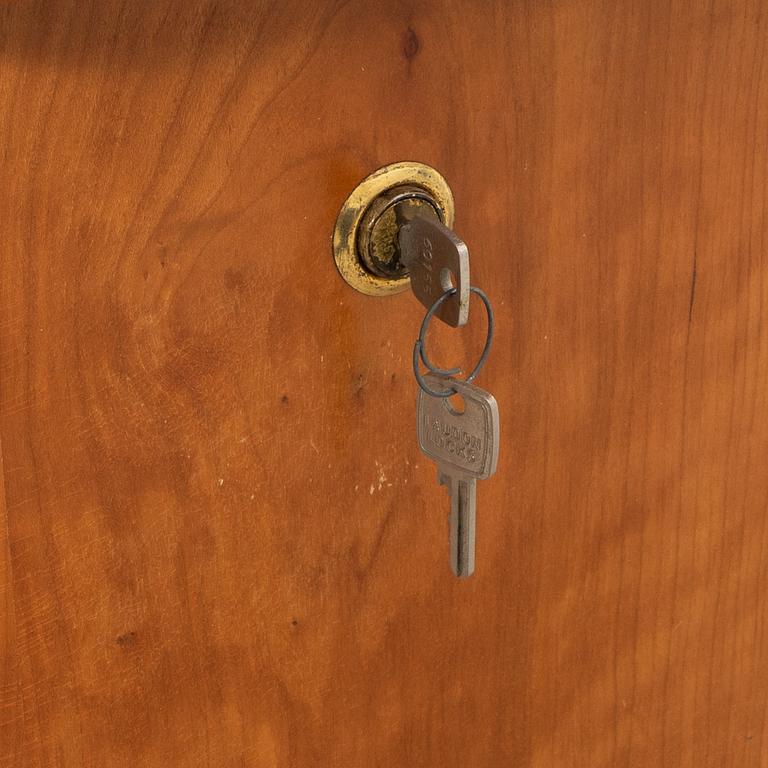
(419, 348)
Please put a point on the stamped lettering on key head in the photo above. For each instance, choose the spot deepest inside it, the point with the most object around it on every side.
(462, 445)
(425, 262)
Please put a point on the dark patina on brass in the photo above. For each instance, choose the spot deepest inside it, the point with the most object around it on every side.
(377, 242)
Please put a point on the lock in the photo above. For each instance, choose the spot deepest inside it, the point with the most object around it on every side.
(365, 241)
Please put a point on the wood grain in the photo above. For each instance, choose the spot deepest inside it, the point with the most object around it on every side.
(219, 544)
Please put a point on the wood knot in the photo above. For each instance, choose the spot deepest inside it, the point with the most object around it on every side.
(411, 44)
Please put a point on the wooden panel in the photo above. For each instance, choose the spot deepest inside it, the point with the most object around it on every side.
(219, 543)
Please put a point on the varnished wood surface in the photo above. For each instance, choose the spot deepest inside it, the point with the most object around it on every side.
(219, 544)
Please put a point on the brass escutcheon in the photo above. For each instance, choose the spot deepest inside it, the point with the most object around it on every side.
(365, 222)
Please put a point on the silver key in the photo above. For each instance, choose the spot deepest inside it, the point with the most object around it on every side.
(465, 447)
(436, 260)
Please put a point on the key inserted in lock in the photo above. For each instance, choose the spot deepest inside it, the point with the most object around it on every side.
(437, 260)
(389, 235)
(366, 246)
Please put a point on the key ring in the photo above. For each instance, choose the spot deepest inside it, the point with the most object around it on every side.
(419, 348)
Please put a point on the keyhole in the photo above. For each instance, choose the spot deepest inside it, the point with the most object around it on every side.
(446, 279)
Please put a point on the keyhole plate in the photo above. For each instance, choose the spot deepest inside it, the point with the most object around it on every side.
(346, 236)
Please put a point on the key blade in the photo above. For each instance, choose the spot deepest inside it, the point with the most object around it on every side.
(462, 524)
(432, 251)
